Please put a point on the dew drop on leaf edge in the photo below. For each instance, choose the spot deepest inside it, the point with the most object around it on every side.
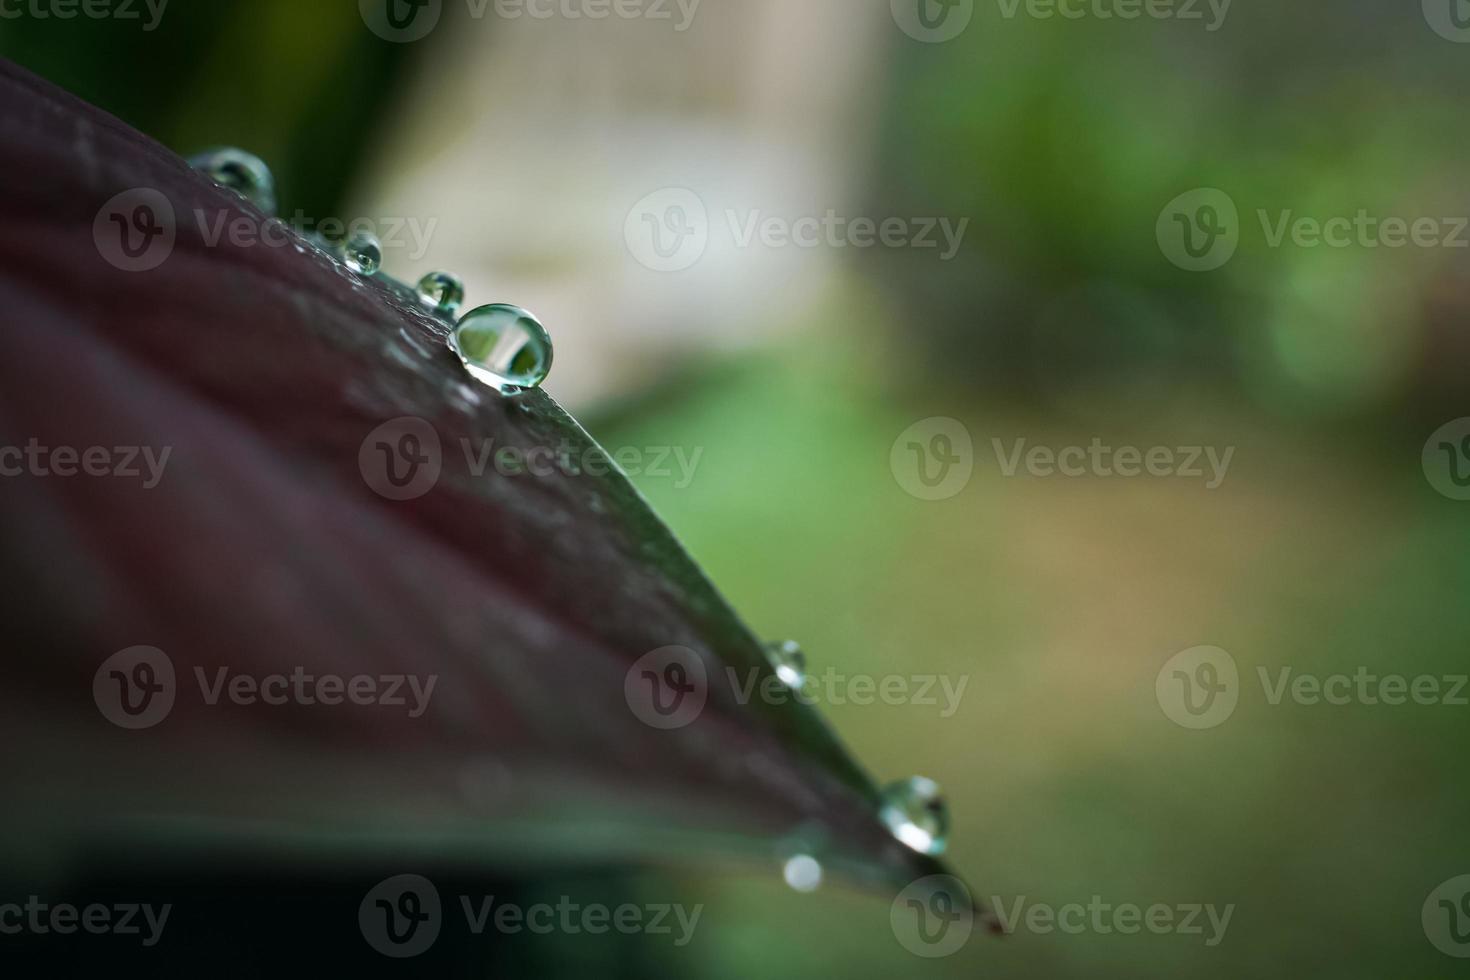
(441, 293)
(363, 254)
(789, 662)
(503, 346)
(244, 173)
(916, 812)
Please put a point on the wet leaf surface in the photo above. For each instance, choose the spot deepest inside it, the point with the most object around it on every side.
(267, 373)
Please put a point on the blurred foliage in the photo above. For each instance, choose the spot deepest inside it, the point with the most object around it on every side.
(300, 84)
(1060, 600)
(1064, 140)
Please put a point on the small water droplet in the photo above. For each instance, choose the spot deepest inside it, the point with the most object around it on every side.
(504, 346)
(790, 663)
(915, 810)
(244, 173)
(363, 254)
(441, 292)
(803, 873)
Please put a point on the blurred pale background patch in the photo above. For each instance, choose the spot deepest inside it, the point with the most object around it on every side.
(531, 141)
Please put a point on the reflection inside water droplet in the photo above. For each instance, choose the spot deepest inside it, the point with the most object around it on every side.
(504, 346)
(244, 173)
(441, 292)
(363, 254)
(803, 873)
(789, 662)
(915, 811)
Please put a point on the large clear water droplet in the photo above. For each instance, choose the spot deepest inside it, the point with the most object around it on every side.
(803, 873)
(504, 346)
(789, 662)
(915, 810)
(244, 173)
(441, 292)
(363, 254)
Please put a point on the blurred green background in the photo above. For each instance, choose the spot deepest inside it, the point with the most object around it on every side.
(1062, 319)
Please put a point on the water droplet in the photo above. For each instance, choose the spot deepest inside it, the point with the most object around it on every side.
(790, 663)
(441, 292)
(803, 873)
(363, 254)
(504, 346)
(244, 173)
(915, 810)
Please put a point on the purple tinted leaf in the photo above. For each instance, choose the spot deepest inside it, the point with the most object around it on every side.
(263, 373)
